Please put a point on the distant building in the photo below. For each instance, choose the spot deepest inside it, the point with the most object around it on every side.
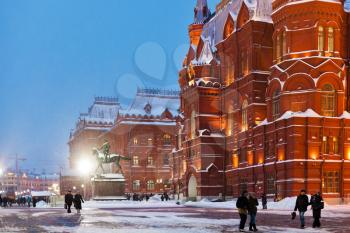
(29, 182)
(99, 119)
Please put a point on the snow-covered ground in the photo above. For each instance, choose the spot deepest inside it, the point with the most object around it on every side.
(159, 217)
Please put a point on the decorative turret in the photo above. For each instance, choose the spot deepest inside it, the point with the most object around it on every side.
(201, 12)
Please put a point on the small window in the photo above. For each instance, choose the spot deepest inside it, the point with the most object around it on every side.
(166, 160)
(284, 43)
(136, 184)
(276, 104)
(328, 100)
(245, 115)
(320, 38)
(150, 141)
(330, 182)
(136, 161)
(150, 161)
(167, 139)
(335, 145)
(150, 185)
(325, 147)
(330, 39)
(135, 141)
(193, 124)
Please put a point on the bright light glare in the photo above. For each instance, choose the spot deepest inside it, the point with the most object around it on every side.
(85, 166)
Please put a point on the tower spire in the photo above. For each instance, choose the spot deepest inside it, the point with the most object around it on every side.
(201, 11)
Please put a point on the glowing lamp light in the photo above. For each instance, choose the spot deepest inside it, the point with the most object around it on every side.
(85, 166)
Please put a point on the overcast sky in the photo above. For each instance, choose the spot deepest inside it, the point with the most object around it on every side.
(56, 55)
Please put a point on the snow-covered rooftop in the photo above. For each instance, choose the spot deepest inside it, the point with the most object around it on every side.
(154, 102)
(259, 10)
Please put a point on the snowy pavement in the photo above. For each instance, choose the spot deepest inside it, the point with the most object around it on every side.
(159, 217)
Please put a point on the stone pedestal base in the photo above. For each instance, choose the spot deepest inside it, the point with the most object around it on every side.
(108, 187)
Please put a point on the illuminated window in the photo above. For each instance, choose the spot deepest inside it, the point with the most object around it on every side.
(136, 160)
(328, 100)
(330, 182)
(284, 43)
(276, 104)
(320, 38)
(335, 145)
(245, 115)
(229, 127)
(330, 39)
(167, 139)
(325, 147)
(150, 161)
(135, 141)
(193, 124)
(136, 184)
(150, 185)
(150, 141)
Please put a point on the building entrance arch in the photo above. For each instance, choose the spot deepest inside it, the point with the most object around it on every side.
(192, 188)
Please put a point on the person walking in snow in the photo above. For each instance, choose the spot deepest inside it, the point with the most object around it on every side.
(68, 200)
(317, 205)
(264, 201)
(252, 210)
(78, 199)
(242, 206)
(29, 200)
(301, 205)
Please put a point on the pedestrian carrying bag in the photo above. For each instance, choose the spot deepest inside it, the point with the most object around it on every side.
(65, 206)
(294, 215)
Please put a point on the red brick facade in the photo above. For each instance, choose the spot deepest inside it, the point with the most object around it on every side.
(263, 101)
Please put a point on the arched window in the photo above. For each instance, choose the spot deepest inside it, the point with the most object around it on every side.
(135, 141)
(276, 104)
(245, 115)
(328, 100)
(330, 39)
(320, 38)
(193, 124)
(150, 185)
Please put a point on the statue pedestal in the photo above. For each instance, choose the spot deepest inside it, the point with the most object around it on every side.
(108, 187)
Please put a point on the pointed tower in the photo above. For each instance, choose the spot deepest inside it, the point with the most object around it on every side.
(201, 14)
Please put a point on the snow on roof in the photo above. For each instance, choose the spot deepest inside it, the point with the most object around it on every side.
(308, 113)
(207, 55)
(202, 11)
(154, 102)
(260, 10)
(103, 110)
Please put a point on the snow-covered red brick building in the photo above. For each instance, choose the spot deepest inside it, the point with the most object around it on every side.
(143, 131)
(264, 100)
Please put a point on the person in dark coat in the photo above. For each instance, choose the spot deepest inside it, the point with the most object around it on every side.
(68, 200)
(78, 199)
(301, 205)
(317, 205)
(252, 210)
(264, 201)
(242, 206)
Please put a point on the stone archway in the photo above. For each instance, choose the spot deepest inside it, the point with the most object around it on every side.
(192, 188)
